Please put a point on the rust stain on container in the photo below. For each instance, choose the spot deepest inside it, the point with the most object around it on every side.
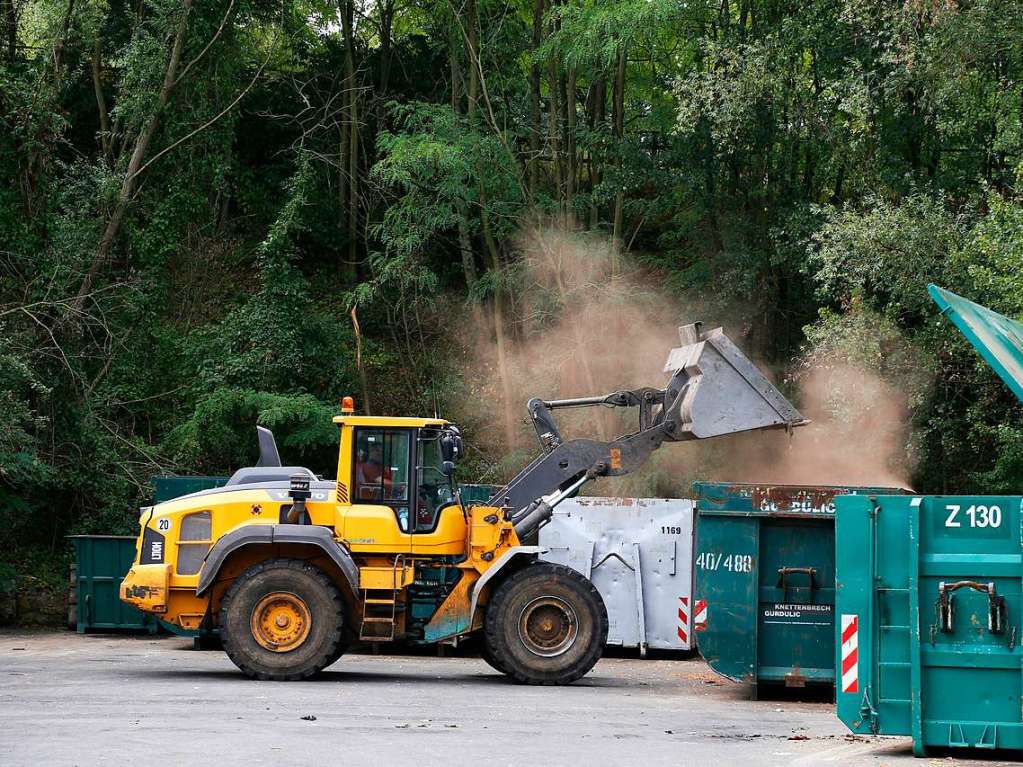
(791, 498)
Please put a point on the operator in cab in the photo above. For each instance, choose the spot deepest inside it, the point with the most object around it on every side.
(372, 477)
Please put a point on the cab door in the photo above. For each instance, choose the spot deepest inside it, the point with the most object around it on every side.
(439, 527)
(380, 518)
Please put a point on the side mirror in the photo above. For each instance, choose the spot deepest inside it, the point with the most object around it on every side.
(451, 447)
(448, 467)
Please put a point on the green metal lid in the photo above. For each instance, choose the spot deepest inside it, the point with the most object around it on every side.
(998, 339)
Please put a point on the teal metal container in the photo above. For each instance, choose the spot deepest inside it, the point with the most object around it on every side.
(166, 488)
(102, 562)
(928, 642)
(765, 581)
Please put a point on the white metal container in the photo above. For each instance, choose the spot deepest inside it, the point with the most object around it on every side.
(638, 552)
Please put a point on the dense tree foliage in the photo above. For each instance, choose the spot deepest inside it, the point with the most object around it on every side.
(222, 213)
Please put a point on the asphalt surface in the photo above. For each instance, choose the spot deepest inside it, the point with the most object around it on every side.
(68, 699)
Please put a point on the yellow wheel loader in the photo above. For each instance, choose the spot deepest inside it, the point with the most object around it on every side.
(292, 569)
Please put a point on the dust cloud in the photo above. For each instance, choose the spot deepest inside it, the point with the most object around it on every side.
(582, 321)
(579, 323)
(857, 435)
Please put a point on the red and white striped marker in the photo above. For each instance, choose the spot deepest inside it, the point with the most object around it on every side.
(700, 615)
(683, 619)
(850, 653)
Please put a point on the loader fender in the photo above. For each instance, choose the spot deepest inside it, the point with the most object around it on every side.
(501, 564)
(248, 535)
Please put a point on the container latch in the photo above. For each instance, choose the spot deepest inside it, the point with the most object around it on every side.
(996, 613)
(784, 572)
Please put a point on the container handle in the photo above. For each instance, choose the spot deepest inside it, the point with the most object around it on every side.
(996, 612)
(784, 572)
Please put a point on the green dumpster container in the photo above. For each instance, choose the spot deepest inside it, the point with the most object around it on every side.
(102, 563)
(166, 488)
(765, 581)
(929, 594)
(477, 493)
(929, 597)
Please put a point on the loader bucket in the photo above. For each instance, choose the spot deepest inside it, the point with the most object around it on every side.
(722, 391)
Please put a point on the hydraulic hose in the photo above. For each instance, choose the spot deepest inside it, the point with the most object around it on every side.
(532, 517)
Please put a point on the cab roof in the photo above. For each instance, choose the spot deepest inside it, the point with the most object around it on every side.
(385, 421)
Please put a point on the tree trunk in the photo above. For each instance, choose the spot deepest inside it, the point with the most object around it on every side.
(363, 378)
(384, 75)
(596, 117)
(472, 58)
(534, 100)
(498, 302)
(10, 18)
(60, 42)
(618, 127)
(350, 155)
(836, 196)
(469, 272)
(498, 315)
(570, 165)
(554, 131)
(386, 25)
(454, 45)
(101, 102)
(129, 183)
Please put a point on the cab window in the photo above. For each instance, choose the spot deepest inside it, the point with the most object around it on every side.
(434, 491)
(382, 470)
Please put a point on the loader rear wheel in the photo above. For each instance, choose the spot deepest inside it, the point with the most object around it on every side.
(282, 619)
(546, 624)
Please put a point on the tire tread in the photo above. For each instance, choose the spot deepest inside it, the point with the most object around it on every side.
(328, 656)
(499, 657)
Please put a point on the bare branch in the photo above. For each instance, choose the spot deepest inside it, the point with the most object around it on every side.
(193, 62)
(53, 338)
(209, 122)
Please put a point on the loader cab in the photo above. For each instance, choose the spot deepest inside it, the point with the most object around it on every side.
(403, 468)
(402, 464)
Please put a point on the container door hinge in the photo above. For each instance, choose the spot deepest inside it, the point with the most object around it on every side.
(868, 713)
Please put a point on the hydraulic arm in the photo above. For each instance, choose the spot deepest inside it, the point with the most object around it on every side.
(713, 390)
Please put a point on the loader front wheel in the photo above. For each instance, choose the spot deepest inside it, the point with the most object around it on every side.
(546, 624)
(283, 620)
(490, 660)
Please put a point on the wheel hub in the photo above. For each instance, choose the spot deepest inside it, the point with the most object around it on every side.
(548, 626)
(280, 622)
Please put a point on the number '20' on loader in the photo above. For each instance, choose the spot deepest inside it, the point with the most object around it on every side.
(292, 569)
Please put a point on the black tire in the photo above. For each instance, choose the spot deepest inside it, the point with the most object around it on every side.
(294, 578)
(545, 624)
(347, 639)
(490, 659)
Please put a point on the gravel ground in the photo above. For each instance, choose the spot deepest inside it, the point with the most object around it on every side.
(69, 699)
